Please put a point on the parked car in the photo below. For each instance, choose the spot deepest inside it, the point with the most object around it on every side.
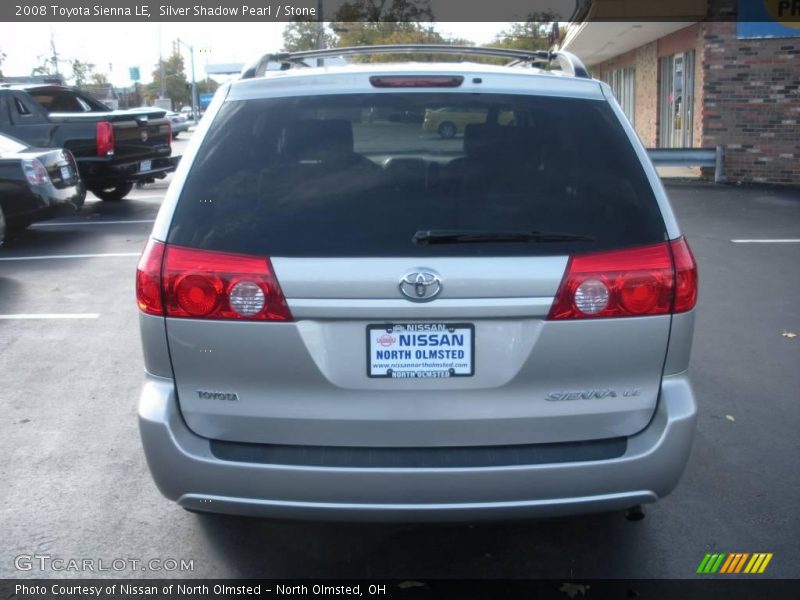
(179, 123)
(344, 321)
(113, 149)
(36, 184)
(449, 121)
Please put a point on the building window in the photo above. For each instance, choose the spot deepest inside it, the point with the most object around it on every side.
(676, 100)
(623, 84)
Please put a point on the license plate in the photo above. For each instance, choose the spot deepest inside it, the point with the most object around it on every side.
(145, 165)
(420, 350)
(65, 174)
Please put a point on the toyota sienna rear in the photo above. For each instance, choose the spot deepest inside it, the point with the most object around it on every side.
(347, 316)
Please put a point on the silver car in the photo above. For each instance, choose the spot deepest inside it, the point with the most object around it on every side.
(352, 318)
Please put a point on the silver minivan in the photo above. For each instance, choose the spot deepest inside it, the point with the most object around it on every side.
(346, 316)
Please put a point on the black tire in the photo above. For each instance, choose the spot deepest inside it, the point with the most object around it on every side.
(447, 130)
(113, 193)
(175, 135)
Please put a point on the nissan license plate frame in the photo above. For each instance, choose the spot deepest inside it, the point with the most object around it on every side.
(427, 357)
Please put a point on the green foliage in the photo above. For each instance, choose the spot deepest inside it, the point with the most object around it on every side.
(175, 80)
(398, 11)
(207, 86)
(99, 79)
(302, 35)
(82, 72)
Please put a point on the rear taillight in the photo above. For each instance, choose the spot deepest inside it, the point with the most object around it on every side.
(685, 276)
(148, 279)
(169, 133)
(105, 138)
(628, 283)
(34, 171)
(199, 284)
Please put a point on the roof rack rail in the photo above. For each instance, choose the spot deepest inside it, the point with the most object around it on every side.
(568, 62)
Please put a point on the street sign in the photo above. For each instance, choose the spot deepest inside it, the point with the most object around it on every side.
(134, 73)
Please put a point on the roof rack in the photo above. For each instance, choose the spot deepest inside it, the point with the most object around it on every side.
(568, 62)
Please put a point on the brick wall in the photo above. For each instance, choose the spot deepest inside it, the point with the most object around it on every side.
(647, 94)
(751, 105)
(644, 60)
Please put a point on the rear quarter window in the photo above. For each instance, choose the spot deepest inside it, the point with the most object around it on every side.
(360, 174)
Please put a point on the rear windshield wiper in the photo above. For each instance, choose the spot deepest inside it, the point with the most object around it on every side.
(467, 236)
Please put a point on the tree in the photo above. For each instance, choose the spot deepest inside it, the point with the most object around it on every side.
(533, 34)
(99, 79)
(3, 56)
(302, 35)
(177, 86)
(397, 11)
(372, 22)
(207, 86)
(370, 34)
(82, 72)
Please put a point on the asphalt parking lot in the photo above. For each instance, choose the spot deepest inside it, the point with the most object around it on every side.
(75, 483)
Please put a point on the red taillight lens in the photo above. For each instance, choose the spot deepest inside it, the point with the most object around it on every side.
(200, 284)
(685, 276)
(621, 283)
(415, 81)
(105, 138)
(148, 279)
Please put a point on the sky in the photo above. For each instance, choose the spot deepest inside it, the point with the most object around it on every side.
(114, 47)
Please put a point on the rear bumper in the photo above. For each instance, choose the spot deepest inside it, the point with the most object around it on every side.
(46, 203)
(186, 470)
(99, 173)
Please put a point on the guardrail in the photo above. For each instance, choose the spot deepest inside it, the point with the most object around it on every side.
(689, 157)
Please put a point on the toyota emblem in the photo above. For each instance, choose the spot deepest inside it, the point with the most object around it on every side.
(420, 286)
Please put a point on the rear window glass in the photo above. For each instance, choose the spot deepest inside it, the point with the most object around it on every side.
(360, 174)
(54, 100)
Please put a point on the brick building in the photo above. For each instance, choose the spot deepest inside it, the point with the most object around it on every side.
(705, 79)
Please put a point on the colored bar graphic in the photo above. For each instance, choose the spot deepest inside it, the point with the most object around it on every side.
(727, 564)
(767, 558)
(703, 563)
(740, 564)
(734, 563)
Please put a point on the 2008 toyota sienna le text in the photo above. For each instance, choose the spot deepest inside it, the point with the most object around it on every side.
(346, 316)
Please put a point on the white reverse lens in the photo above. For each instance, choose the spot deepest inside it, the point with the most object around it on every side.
(247, 298)
(591, 297)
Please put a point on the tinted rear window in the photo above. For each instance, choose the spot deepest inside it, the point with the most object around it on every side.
(360, 174)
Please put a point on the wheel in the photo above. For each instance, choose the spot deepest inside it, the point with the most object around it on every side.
(113, 193)
(447, 130)
(175, 135)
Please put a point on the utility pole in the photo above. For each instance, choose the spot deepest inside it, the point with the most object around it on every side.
(163, 91)
(194, 81)
(320, 33)
(54, 58)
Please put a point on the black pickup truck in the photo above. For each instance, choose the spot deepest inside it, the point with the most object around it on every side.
(114, 149)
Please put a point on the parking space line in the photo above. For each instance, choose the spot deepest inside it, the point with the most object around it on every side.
(62, 223)
(51, 316)
(105, 255)
(767, 241)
